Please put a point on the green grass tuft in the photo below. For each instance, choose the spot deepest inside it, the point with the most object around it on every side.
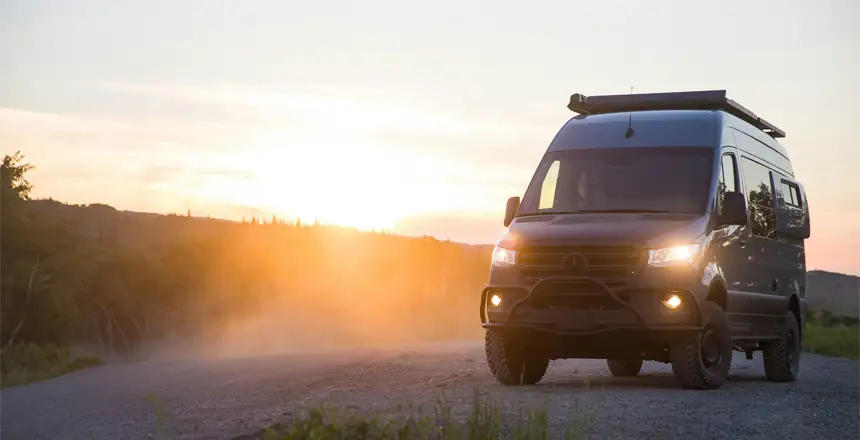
(483, 422)
(23, 363)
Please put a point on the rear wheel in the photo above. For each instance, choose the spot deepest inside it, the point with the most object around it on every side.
(702, 362)
(624, 367)
(513, 363)
(782, 357)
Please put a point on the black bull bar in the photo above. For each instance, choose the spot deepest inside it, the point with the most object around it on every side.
(688, 300)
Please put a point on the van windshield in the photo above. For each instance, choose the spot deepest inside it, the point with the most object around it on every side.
(662, 179)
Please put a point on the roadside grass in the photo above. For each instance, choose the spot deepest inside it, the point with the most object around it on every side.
(832, 335)
(484, 421)
(841, 340)
(23, 363)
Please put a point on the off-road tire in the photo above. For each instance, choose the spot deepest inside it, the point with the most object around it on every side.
(624, 367)
(782, 357)
(512, 363)
(689, 363)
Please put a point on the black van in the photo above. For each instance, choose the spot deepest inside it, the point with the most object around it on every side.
(665, 226)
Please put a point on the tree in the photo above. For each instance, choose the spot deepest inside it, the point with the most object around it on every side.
(12, 172)
(40, 257)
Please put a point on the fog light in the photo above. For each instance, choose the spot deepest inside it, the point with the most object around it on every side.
(673, 302)
(495, 300)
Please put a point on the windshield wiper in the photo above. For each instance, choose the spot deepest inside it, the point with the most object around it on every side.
(635, 211)
(532, 214)
(597, 211)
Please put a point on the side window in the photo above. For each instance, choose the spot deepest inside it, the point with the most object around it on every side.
(791, 195)
(548, 187)
(728, 179)
(760, 195)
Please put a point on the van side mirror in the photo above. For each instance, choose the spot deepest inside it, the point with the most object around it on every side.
(511, 210)
(734, 210)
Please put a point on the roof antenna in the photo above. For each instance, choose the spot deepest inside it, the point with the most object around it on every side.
(630, 131)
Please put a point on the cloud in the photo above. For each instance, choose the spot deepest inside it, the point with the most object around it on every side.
(376, 112)
(110, 133)
(32, 123)
(170, 171)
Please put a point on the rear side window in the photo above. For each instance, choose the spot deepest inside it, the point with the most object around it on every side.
(791, 194)
(728, 179)
(760, 196)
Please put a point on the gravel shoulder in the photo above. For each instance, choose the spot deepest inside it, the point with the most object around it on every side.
(225, 398)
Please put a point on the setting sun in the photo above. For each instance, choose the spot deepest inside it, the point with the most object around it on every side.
(327, 177)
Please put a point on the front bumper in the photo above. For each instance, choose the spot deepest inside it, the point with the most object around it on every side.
(578, 305)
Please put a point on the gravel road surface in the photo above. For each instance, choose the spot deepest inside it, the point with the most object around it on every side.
(225, 398)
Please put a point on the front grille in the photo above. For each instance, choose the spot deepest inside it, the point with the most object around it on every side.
(612, 265)
(578, 294)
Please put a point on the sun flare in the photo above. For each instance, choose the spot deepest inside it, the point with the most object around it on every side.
(330, 179)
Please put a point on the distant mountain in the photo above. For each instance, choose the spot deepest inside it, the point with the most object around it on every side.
(839, 293)
(130, 228)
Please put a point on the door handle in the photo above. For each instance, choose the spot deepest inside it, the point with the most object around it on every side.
(743, 243)
(775, 285)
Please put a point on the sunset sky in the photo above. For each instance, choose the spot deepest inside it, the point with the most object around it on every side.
(417, 117)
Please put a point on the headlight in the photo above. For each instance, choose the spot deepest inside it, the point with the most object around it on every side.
(673, 255)
(672, 302)
(504, 257)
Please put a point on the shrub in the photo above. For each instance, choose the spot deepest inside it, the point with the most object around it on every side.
(22, 363)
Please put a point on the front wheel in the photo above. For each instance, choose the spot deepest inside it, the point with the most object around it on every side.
(513, 363)
(702, 362)
(782, 357)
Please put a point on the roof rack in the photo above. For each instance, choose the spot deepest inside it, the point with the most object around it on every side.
(697, 100)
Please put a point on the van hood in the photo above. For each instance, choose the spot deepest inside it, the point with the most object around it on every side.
(651, 230)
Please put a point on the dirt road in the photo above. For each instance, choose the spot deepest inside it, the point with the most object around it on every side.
(224, 398)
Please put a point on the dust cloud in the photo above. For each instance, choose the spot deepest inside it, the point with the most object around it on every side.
(279, 326)
(224, 290)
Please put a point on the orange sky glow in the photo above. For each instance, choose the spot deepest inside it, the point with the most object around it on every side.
(381, 122)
